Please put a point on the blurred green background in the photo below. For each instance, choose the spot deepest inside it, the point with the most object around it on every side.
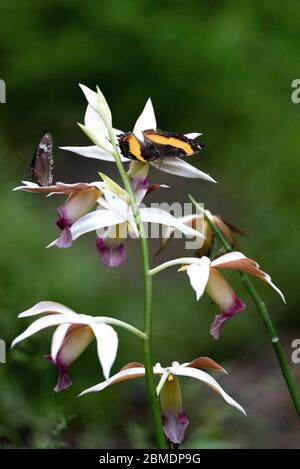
(223, 68)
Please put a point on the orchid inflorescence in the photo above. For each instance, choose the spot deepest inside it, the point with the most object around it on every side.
(109, 210)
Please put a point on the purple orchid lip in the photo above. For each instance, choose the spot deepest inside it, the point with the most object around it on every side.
(63, 380)
(65, 240)
(137, 183)
(224, 316)
(175, 425)
(62, 221)
(111, 255)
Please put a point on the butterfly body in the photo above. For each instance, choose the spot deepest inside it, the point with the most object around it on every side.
(41, 168)
(157, 144)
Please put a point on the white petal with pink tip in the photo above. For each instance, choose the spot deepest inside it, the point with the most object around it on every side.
(49, 307)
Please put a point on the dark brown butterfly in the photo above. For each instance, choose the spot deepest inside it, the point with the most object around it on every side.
(157, 144)
(41, 168)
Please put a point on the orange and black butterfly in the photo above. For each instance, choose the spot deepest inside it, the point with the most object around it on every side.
(41, 168)
(157, 144)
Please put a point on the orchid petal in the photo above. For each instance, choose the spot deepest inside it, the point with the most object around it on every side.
(227, 259)
(145, 121)
(107, 346)
(93, 221)
(112, 254)
(39, 324)
(97, 138)
(138, 173)
(175, 425)
(122, 209)
(117, 204)
(162, 381)
(60, 188)
(199, 275)
(93, 151)
(74, 344)
(155, 187)
(27, 186)
(229, 303)
(179, 167)
(49, 307)
(94, 121)
(237, 260)
(58, 339)
(193, 135)
(112, 186)
(224, 316)
(91, 96)
(220, 290)
(78, 205)
(65, 239)
(138, 169)
(123, 375)
(189, 220)
(207, 379)
(157, 215)
(63, 381)
(205, 363)
(103, 109)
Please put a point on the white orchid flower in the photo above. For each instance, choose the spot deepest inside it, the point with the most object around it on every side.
(73, 334)
(174, 418)
(204, 275)
(96, 129)
(109, 197)
(114, 221)
(82, 197)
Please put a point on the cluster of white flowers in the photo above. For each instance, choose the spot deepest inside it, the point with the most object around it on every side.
(108, 209)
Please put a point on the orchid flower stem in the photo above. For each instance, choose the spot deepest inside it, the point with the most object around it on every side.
(166, 265)
(124, 325)
(294, 394)
(148, 358)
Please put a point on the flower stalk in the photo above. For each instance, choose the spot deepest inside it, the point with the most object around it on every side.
(180, 261)
(262, 309)
(117, 322)
(148, 358)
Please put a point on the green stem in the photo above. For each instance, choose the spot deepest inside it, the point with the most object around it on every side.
(179, 261)
(285, 371)
(117, 322)
(148, 359)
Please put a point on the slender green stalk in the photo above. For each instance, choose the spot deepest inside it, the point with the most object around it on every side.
(180, 261)
(148, 359)
(116, 322)
(285, 371)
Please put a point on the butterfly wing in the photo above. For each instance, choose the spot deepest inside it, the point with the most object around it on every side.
(171, 144)
(134, 149)
(42, 162)
(157, 144)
